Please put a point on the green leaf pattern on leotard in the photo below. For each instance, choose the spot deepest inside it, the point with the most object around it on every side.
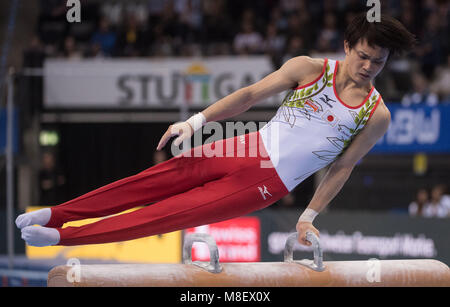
(360, 120)
(297, 98)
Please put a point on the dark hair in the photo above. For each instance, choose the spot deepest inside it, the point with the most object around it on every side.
(389, 33)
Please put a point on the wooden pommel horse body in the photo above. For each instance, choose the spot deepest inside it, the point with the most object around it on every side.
(290, 273)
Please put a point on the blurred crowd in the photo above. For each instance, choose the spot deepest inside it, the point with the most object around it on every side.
(434, 202)
(279, 28)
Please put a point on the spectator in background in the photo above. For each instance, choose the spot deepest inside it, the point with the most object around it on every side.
(274, 43)
(104, 37)
(407, 17)
(295, 47)
(51, 180)
(416, 208)
(436, 207)
(138, 9)
(329, 38)
(300, 24)
(247, 41)
(95, 51)
(330, 6)
(279, 19)
(34, 55)
(248, 16)
(113, 12)
(131, 39)
(161, 45)
(190, 16)
(70, 49)
(445, 200)
(156, 7)
(441, 83)
(291, 5)
(172, 31)
(215, 32)
(429, 51)
(294, 25)
(443, 15)
(421, 93)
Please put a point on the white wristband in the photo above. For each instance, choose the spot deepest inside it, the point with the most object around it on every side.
(197, 121)
(308, 215)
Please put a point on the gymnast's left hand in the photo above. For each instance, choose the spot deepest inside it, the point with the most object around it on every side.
(182, 129)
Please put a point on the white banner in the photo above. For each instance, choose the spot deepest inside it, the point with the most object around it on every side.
(150, 83)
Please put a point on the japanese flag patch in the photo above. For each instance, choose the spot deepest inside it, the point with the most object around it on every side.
(330, 118)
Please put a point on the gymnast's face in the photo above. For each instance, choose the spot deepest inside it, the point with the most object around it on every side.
(365, 62)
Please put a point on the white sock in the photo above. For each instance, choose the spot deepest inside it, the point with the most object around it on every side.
(40, 236)
(39, 217)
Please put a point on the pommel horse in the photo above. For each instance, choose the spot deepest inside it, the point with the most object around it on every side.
(290, 273)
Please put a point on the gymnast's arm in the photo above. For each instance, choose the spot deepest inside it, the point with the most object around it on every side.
(288, 76)
(340, 170)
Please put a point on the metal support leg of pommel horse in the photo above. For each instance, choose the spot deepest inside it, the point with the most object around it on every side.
(290, 273)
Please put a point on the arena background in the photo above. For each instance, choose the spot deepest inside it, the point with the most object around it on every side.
(91, 100)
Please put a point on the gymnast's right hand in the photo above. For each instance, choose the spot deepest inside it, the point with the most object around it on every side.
(183, 129)
(302, 229)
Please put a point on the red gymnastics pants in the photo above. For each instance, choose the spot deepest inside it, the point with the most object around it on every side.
(183, 192)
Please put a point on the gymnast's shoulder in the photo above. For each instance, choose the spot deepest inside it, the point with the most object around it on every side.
(304, 68)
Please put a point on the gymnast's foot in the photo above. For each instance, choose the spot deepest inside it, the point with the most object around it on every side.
(39, 217)
(40, 236)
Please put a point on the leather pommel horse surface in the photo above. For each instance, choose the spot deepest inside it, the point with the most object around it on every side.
(290, 273)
